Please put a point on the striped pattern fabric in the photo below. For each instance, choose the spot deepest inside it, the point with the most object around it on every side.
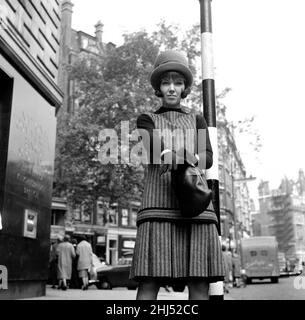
(172, 251)
(158, 192)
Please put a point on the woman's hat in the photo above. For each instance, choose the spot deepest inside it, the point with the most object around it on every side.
(170, 61)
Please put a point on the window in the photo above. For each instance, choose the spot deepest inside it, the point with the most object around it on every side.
(112, 244)
(113, 217)
(124, 217)
(86, 212)
(133, 217)
(101, 212)
(77, 214)
(253, 253)
(264, 253)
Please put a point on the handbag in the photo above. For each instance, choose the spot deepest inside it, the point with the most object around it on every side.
(191, 188)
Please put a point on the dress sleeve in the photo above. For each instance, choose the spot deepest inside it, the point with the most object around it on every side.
(150, 139)
(204, 148)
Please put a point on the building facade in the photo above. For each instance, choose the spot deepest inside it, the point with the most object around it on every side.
(282, 214)
(234, 197)
(29, 101)
(110, 227)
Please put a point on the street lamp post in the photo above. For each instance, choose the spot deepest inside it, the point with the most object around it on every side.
(209, 111)
(236, 231)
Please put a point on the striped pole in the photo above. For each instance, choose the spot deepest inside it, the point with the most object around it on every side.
(209, 112)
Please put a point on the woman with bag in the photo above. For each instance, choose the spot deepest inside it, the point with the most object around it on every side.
(172, 246)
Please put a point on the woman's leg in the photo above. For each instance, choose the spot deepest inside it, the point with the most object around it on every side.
(148, 290)
(64, 286)
(198, 289)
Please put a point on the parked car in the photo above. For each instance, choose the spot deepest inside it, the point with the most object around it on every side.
(96, 266)
(115, 276)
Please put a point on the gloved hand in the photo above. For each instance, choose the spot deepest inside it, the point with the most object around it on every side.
(169, 162)
(182, 156)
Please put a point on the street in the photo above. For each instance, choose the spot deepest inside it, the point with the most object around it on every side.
(265, 290)
(259, 290)
(115, 294)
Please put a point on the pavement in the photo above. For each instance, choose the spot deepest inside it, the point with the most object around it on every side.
(115, 294)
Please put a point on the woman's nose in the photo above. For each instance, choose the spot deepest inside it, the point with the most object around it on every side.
(171, 87)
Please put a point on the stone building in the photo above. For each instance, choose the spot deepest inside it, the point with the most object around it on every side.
(111, 228)
(29, 101)
(234, 197)
(282, 214)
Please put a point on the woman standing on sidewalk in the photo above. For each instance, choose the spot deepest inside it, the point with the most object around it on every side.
(66, 254)
(171, 249)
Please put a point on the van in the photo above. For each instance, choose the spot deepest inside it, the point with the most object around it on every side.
(260, 258)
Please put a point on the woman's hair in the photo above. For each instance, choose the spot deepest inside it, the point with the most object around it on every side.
(67, 238)
(184, 94)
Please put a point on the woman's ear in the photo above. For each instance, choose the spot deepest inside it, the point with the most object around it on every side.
(185, 93)
(159, 94)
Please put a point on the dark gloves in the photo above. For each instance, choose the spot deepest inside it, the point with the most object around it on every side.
(171, 160)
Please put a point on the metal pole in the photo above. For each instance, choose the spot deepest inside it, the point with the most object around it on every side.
(209, 111)
(234, 207)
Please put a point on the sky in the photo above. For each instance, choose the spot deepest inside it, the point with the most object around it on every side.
(259, 52)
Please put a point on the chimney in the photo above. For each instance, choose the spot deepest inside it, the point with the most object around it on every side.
(66, 11)
(66, 28)
(99, 32)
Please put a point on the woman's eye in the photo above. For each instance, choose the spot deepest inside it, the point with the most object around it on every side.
(164, 82)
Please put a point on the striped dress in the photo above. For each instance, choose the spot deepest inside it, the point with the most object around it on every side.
(170, 247)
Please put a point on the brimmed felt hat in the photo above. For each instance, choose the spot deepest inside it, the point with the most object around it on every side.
(170, 61)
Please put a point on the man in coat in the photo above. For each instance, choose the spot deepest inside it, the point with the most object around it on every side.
(84, 252)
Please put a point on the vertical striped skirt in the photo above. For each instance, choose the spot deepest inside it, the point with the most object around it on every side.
(177, 250)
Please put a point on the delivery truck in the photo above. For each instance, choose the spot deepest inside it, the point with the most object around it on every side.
(260, 258)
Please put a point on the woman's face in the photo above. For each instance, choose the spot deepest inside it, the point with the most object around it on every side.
(171, 86)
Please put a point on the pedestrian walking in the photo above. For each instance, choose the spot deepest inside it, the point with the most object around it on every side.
(170, 248)
(53, 260)
(74, 279)
(236, 269)
(84, 253)
(228, 268)
(65, 253)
